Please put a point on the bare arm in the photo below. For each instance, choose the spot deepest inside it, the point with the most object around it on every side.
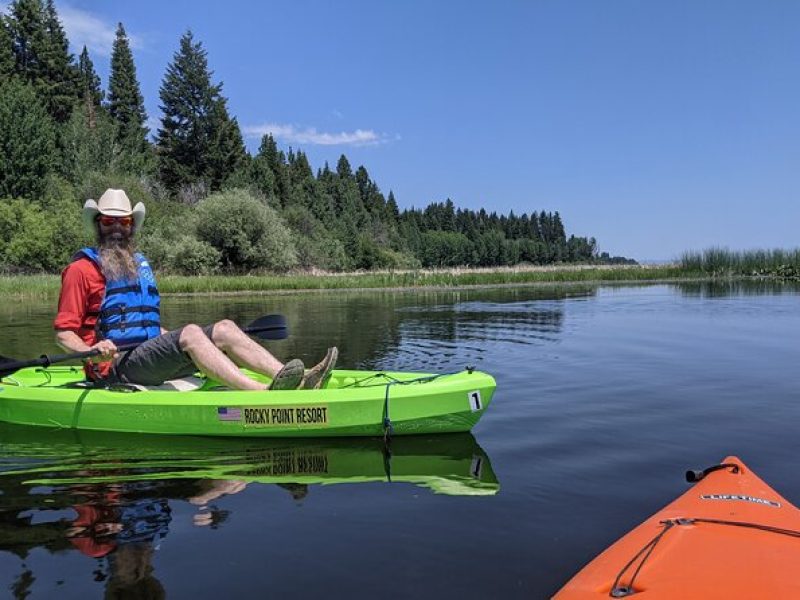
(69, 340)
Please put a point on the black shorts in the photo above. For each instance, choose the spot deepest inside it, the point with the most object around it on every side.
(156, 360)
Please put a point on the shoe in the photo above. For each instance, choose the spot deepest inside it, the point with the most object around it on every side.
(289, 377)
(317, 376)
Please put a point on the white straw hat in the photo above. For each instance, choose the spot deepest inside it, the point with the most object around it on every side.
(114, 203)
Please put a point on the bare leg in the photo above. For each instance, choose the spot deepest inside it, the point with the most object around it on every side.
(243, 350)
(213, 362)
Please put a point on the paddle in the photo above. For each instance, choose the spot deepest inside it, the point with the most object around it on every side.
(268, 327)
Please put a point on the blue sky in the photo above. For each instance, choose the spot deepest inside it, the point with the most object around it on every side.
(654, 126)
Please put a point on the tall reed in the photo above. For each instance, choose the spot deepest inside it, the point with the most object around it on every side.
(724, 262)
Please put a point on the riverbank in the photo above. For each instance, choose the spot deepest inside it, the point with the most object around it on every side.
(20, 287)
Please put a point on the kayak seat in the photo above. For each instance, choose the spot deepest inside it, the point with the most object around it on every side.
(184, 384)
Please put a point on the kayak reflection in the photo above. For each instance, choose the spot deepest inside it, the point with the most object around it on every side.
(111, 496)
(451, 464)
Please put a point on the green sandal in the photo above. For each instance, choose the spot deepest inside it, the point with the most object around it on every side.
(289, 377)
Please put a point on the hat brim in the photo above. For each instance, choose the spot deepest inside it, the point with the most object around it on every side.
(91, 210)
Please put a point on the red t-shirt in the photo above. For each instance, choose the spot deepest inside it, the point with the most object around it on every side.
(82, 289)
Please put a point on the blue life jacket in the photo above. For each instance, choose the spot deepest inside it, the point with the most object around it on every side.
(130, 311)
(144, 520)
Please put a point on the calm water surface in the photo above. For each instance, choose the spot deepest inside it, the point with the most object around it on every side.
(605, 396)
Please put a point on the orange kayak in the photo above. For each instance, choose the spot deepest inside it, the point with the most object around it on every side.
(730, 536)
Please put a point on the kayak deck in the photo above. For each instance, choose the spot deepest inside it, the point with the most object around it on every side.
(730, 536)
(353, 403)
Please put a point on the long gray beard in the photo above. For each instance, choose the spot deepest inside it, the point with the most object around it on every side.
(116, 259)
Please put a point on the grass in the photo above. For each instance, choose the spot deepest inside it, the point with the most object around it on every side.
(47, 286)
(713, 262)
(21, 287)
(721, 262)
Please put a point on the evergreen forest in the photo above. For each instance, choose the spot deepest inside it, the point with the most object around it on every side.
(212, 207)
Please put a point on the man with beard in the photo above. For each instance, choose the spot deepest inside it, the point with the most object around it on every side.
(109, 297)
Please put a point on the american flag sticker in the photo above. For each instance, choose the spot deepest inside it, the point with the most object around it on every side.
(229, 414)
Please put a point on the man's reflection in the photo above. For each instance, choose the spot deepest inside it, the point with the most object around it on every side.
(113, 515)
(121, 522)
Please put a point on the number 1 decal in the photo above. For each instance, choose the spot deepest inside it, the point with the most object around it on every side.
(475, 401)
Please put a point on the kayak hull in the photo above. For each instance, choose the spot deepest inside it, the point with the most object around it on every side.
(353, 403)
(730, 536)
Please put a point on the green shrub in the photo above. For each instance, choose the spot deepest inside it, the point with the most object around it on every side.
(372, 255)
(448, 249)
(35, 240)
(191, 256)
(11, 212)
(248, 233)
(392, 259)
(316, 246)
(157, 250)
(59, 194)
(323, 252)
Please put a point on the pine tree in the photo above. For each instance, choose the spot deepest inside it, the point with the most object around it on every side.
(324, 206)
(6, 50)
(391, 208)
(27, 151)
(363, 182)
(303, 185)
(89, 80)
(89, 143)
(273, 157)
(125, 101)
(559, 234)
(226, 151)
(261, 173)
(449, 216)
(348, 205)
(41, 55)
(269, 172)
(343, 168)
(26, 27)
(63, 89)
(197, 141)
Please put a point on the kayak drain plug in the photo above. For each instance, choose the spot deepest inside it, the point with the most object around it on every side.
(622, 592)
(470, 369)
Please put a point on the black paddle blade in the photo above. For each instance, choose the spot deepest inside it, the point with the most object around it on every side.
(269, 327)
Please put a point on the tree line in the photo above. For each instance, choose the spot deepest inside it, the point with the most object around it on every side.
(212, 206)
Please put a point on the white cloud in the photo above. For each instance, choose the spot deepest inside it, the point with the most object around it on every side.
(310, 135)
(153, 124)
(85, 29)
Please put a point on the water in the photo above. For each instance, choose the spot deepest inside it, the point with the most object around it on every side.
(605, 396)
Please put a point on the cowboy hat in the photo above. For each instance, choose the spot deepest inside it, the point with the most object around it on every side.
(114, 203)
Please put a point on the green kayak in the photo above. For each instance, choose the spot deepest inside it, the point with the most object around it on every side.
(451, 464)
(353, 403)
